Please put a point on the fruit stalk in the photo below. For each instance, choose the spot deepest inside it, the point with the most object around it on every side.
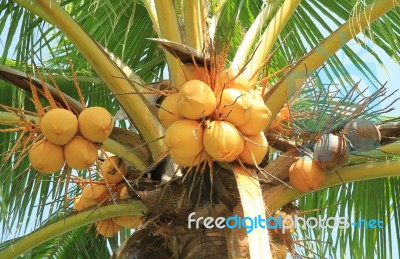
(280, 195)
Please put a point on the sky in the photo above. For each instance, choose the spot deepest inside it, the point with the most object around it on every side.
(389, 72)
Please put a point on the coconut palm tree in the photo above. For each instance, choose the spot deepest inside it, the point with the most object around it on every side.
(127, 56)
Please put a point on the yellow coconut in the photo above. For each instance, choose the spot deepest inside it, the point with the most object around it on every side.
(235, 106)
(223, 141)
(107, 227)
(184, 138)
(95, 192)
(89, 202)
(169, 112)
(255, 149)
(59, 126)
(285, 113)
(80, 153)
(276, 122)
(124, 193)
(130, 221)
(306, 175)
(231, 78)
(78, 204)
(188, 160)
(114, 169)
(192, 72)
(95, 124)
(258, 120)
(46, 157)
(196, 100)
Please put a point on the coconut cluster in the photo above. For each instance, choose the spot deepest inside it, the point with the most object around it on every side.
(70, 139)
(224, 122)
(95, 194)
(113, 170)
(109, 227)
(332, 152)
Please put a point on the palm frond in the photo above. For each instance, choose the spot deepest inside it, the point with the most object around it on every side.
(123, 27)
(367, 200)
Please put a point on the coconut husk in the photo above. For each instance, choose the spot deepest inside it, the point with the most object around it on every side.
(331, 152)
(362, 134)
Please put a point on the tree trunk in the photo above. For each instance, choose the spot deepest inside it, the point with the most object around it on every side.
(166, 233)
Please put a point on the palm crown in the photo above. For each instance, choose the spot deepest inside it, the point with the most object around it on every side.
(79, 54)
